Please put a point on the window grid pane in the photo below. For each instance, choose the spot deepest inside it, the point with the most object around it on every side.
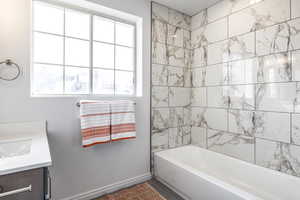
(112, 70)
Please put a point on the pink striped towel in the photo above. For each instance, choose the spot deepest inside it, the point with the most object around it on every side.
(95, 122)
(122, 120)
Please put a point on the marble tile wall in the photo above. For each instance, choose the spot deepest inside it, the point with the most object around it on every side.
(245, 69)
(171, 78)
(228, 79)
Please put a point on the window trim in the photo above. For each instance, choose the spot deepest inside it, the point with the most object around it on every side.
(92, 14)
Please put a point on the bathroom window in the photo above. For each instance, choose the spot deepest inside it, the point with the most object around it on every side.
(79, 52)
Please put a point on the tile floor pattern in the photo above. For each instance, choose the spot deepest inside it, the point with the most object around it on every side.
(142, 191)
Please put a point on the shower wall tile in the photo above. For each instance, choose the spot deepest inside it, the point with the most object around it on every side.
(186, 39)
(186, 135)
(176, 76)
(179, 136)
(274, 68)
(240, 4)
(278, 97)
(243, 71)
(240, 47)
(242, 97)
(179, 19)
(279, 38)
(198, 137)
(273, 126)
(198, 97)
(258, 16)
(295, 8)
(296, 129)
(187, 139)
(199, 56)
(159, 31)
(219, 10)
(238, 146)
(216, 53)
(160, 12)
(187, 58)
(297, 99)
(198, 38)
(294, 27)
(187, 75)
(160, 140)
(216, 118)
(210, 33)
(160, 119)
(198, 117)
(278, 156)
(241, 122)
(176, 117)
(175, 36)
(216, 75)
(199, 20)
(296, 65)
(159, 53)
(179, 96)
(198, 77)
(217, 97)
(187, 112)
(273, 39)
(176, 56)
(175, 137)
(226, 7)
(171, 78)
(160, 97)
(159, 75)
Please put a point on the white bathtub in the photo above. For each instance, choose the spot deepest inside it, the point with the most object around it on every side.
(199, 174)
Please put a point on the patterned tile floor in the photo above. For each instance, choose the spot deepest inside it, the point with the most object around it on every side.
(151, 190)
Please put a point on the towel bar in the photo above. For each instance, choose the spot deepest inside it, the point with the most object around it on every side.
(78, 104)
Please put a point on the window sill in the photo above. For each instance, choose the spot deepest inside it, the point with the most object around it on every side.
(90, 96)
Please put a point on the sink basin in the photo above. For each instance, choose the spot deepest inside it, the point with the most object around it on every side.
(23, 146)
(12, 148)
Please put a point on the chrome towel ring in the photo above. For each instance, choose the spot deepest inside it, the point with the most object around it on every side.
(11, 63)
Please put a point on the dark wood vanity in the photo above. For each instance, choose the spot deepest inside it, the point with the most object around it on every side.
(27, 185)
(32, 184)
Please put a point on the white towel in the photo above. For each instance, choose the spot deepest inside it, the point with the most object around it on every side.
(123, 125)
(95, 120)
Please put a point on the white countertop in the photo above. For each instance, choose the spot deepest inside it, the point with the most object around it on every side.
(39, 155)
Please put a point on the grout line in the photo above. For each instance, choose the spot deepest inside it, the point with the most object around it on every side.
(230, 85)
(291, 128)
(291, 9)
(254, 156)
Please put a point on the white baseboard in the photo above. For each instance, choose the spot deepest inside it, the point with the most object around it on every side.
(110, 188)
(185, 197)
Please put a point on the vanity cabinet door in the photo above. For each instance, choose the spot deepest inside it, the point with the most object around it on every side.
(21, 182)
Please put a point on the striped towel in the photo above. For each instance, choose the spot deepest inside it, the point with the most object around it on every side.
(122, 120)
(95, 122)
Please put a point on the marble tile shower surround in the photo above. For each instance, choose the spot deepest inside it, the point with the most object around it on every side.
(171, 78)
(228, 79)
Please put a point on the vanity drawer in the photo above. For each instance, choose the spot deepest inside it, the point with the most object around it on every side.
(21, 182)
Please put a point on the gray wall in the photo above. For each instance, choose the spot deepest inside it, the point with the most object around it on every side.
(75, 170)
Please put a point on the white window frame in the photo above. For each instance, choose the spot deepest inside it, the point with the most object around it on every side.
(97, 10)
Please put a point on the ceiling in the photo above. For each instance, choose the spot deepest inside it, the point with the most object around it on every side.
(189, 7)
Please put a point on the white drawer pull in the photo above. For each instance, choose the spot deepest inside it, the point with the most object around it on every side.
(25, 189)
